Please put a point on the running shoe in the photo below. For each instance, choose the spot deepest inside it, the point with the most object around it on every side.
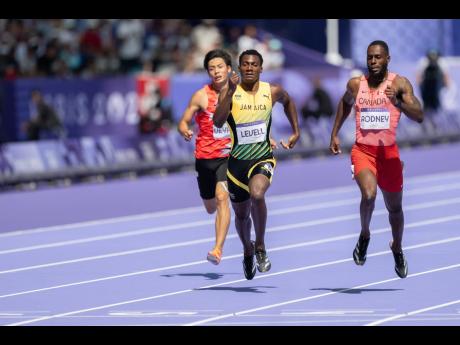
(263, 264)
(249, 266)
(360, 252)
(400, 264)
(215, 256)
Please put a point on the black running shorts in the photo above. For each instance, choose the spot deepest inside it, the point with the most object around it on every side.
(210, 171)
(240, 172)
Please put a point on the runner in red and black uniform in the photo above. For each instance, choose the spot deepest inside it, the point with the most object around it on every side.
(378, 100)
(212, 146)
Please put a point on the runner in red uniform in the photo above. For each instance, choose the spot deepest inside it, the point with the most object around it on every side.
(378, 100)
(212, 146)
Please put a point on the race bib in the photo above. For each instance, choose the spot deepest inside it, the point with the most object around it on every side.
(221, 133)
(375, 118)
(250, 133)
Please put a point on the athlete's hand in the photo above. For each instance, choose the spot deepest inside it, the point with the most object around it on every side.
(273, 144)
(188, 134)
(291, 142)
(334, 146)
(391, 94)
(232, 83)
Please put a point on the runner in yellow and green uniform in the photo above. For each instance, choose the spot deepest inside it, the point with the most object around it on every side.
(247, 109)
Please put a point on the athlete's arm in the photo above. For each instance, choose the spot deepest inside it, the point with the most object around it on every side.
(343, 110)
(225, 101)
(280, 95)
(405, 99)
(194, 105)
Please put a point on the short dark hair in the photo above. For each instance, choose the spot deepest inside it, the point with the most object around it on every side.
(251, 52)
(383, 44)
(217, 53)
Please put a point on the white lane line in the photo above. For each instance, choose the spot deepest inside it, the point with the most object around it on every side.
(210, 239)
(271, 306)
(175, 212)
(106, 221)
(244, 280)
(111, 236)
(234, 256)
(415, 312)
(276, 198)
(284, 211)
(269, 230)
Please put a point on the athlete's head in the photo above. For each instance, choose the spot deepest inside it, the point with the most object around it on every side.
(250, 65)
(378, 57)
(218, 64)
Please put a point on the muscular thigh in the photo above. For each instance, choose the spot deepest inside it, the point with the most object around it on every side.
(241, 171)
(390, 177)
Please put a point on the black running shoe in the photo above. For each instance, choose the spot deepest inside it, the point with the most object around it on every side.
(263, 264)
(360, 252)
(400, 264)
(249, 266)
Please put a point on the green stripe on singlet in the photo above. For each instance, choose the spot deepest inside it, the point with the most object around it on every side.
(252, 151)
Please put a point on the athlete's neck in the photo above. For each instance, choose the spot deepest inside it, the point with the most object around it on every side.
(218, 86)
(251, 86)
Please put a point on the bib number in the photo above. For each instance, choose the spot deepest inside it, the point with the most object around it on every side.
(221, 133)
(375, 119)
(250, 133)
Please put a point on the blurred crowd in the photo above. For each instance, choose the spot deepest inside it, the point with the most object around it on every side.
(67, 48)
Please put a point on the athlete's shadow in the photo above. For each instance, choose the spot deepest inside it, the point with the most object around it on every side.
(354, 291)
(209, 276)
(254, 289)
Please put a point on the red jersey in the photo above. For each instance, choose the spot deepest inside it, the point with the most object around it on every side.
(376, 117)
(211, 141)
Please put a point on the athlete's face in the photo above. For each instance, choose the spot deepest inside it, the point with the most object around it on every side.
(250, 68)
(218, 70)
(377, 60)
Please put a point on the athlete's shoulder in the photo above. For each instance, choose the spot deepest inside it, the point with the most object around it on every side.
(353, 83)
(401, 82)
(200, 97)
(400, 78)
(200, 92)
(275, 88)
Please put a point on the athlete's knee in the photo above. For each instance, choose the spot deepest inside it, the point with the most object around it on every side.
(210, 209)
(395, 210)
(222, 197)
(257, 194)
(368, 195)
(210, 206)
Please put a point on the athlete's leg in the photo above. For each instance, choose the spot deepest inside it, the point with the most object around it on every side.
(367, 183)
(243, 224)
(223, 213)
(258, 185)
(393, 202)
(210, 205)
